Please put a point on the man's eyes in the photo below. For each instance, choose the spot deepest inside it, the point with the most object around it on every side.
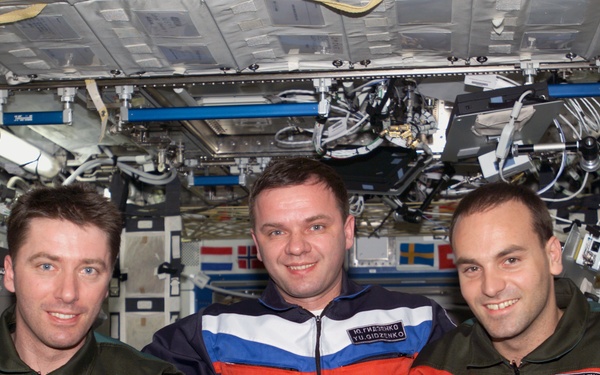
(277, 232)
(90, 271)
(85, 270)
(469, 269)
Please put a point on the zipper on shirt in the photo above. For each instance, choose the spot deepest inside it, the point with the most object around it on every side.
(318, 346)
(385, 356)
(515, 368)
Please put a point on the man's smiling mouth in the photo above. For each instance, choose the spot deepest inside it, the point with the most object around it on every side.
(302, 267)
(502, 305)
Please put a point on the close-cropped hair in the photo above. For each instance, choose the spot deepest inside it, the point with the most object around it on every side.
(298, 171)
(492, 195)
(78, 203)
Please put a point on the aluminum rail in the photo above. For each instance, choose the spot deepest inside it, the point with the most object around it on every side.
(258, 77)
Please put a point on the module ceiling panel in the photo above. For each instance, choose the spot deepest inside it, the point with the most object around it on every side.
(107, 38)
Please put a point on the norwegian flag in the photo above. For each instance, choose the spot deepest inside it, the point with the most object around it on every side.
(247, 258)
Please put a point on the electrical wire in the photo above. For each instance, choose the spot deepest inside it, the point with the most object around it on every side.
(14, 180)
(589, 123)
(334, 127)
(294, 143)
(385, 219)
(506, 138)
(592, 110)
(368, 84)
(149, 178)
(571, 108)
(345, 154)
(317, 135)
(357, 205)
(577, 133)
(351, 123)
(558, 218)
(506, 79)
(569, 197)
(350, 131)
(193, 278)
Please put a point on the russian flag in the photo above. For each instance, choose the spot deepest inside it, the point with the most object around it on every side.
(214, 258)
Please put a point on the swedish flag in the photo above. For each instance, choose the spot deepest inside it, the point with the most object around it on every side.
(417, 253)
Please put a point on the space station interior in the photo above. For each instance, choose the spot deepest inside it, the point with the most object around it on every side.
(173, 108)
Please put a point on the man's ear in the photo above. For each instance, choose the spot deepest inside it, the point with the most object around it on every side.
(554, 251)
(256, 244)
(9, 274)
(349, 231)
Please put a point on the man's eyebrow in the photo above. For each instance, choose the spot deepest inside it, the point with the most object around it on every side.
(94, 261)
(461, 261)
(510, 250)
(43, 255)
(269, 226)
(317, 218)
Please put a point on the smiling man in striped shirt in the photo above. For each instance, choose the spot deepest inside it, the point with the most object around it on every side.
(311, 319)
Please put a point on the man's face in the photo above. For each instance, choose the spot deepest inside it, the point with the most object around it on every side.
(506, 275)
(60, 277)
(302, 240)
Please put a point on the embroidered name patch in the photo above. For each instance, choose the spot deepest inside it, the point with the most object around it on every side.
(385, 332)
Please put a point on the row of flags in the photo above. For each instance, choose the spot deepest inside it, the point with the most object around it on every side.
(426, 254)
(244, 257)
(223, 258)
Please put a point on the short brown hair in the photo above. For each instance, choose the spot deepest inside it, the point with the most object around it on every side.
(494, 194)
(297, 171)
(77, 203)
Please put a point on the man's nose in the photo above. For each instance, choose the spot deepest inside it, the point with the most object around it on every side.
(493, 283)
(297, 244)
(67, 288)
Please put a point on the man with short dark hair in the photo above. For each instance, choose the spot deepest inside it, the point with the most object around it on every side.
(311, 319)
(527, 322)
(63, 243)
